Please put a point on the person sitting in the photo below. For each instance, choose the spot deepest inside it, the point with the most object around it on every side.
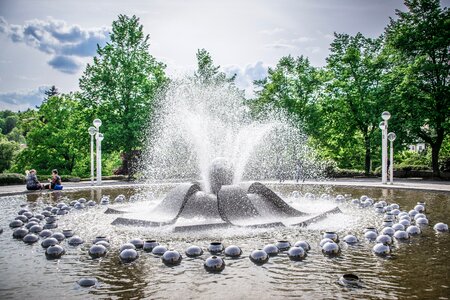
(32, 182)
(55, 182)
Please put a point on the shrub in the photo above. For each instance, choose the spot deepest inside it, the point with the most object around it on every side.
(12, 178)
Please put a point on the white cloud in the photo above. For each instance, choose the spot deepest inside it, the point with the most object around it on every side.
(272, 31)
(62, 41)
(278, 45)
(313, 49)
(22, 100)
(246, 75)
(302, 39)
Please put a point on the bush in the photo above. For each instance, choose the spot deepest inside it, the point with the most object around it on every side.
(12, 178)
(337, 172)
(64, 178)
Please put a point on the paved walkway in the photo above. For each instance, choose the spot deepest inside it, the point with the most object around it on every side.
(411, 183)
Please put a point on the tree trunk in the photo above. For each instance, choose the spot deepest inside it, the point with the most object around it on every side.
(435, 149)
(367, 159)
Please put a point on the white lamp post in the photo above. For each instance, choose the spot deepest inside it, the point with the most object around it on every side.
(385, 116)
(391, 137)
(99, 137)
(92, 132)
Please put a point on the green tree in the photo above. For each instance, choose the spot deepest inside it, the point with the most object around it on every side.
(8, 151)
(10, 123)
(119, 87)
(355, 96)
(418, 42)
(207, 72)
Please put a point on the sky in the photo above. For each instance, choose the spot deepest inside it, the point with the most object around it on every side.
(49, 42)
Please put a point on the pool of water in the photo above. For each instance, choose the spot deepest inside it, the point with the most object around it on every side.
(419, 268)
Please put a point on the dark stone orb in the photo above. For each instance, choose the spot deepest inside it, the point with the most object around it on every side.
(350, 280)
(331, 249)
(28, 214)
(171, 258)
(128, 255)
(87, 282)
(21, 218)
(384, 239)
(193, 251)
(215, 247)
(48, 208)
(82, 200)
(370, 235)
(401, 235)
(59, 236)
(371, 229)
(20, 212)
(419, 215)
(61, 212)
(36, 228)
(138, 243)
(16, 224)
(214, 264)
(91, 203)
(127, 246)
(398, 226)
(331, 235)
(413, 230)
(296, 253)
(75, 240)
(30, 238)
(67, 233)
(159, 250)
(31, 224)
(60, 204)
(34, 219)
(100, 238)
(46, 213)
(45, 233)
(54, 210)
(20, 233)
(97, 251)
(387, 223)
(233, 251)
(381, 249)
(404, 222)
(283, 245)
(350, 239)
(440, 227)
(72, 203)
(304, 244)
(50, 241)
(324, 241)
(1, 230)
(271, 250)
(422, 221)
(150, 244)
(50, 226)
(119, 199)
(54, 252)
(79, 206)
(259, 257)
(51, 219)
(104, 243)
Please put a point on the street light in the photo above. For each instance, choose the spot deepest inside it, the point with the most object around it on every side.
(92, 131)
(99, 158)
(385, 116)
(391, 137)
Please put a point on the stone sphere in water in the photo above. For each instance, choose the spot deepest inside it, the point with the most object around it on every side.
(310, 196)
(271, 250)
(50, 241)
(87, 282)
(193, 251)
(104, 244)
(54, 252)
(412, 213)
(97, 251)
(404, 222)
(30, 238)
(296, 253)
(16, 224)
(381, 249)
(1, 230)
(331, 235)
(138, 243)
(128, 255)
(413, 230)
(401, 235)
(100, 238)
(79, 206)
(149, 245)
(233, 251)
(127, 246)
(395, 206)
(422, 221)
(259, 257)
(304, 244)
(340, 198)
(220, 173)
(21, 218)
(440, 227)
(159, 250)
(75, 240)
(350, 280)
(389, 217)
(419, 215)
(395, 212)
(215, 247)
(91, 203)
(388, 231)
(67, 233)
(20, 233)
(119, 199)
(387, 223)
(28, 214)
(171, 258)
(295, 194)
(324, 241)
(398, 226)
(214, 264)
(405, 217)
(419, 208)
(350, 239)
(283, 245)
(371, 229)
(45, 233)
(31, 224)
(331, 248)
(36, 228)
(59, 236)
(23, 210)
(384, 239)
(370, 235)
(50, 226)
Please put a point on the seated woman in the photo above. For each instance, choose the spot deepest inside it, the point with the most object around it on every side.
(55, 182)
(32, 182)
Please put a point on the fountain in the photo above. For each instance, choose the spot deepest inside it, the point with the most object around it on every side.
(217, 141)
